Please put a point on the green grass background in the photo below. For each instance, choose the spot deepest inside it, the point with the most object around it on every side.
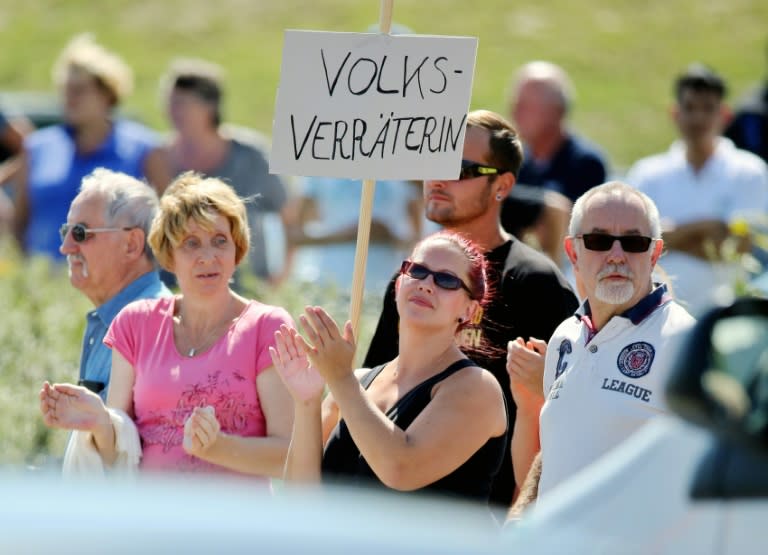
(621, 55)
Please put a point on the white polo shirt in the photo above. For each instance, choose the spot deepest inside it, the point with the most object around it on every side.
(733, 183)
(601, 390)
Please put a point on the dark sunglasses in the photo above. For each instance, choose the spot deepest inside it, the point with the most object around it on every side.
(444, 280)
(603, 242)
(80, 232)
(471, 170)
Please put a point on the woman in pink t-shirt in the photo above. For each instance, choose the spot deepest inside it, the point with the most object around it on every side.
(193, 371)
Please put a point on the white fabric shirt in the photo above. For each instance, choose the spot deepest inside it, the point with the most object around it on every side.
(82, 459)
(600, 392)
(732, 184)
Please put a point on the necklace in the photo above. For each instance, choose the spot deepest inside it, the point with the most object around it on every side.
(209, 336)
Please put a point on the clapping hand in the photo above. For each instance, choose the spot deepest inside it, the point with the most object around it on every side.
(331, 351)
(200, 430)
(289, 357)
(525, 366)
(71, 407)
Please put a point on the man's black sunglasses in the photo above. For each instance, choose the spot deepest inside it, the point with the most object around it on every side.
(603, 242)
(81, 232)
(444, 280)
(471, 170)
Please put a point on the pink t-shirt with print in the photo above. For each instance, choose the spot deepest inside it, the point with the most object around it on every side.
(168, 385)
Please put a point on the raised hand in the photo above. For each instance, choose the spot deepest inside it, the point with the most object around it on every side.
(290, 359)
(331, 352)
(525, 366)
(72, 407)
(201, 430)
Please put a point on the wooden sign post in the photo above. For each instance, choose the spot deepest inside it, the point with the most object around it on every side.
(366, 210)
(371, 106)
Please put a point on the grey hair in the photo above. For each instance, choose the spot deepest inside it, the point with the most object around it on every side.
(619, 190)
(128, 201)
(550, 75)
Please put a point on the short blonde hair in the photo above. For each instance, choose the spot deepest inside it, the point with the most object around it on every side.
(84, 53)
(194, 197)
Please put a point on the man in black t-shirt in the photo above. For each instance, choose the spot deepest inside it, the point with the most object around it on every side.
(531, 297)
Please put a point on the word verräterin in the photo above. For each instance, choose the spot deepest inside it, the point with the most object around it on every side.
(389, 136)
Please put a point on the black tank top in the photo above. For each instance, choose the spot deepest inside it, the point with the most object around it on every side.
(342, 461)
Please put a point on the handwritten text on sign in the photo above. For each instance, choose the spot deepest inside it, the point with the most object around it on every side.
(372, 106)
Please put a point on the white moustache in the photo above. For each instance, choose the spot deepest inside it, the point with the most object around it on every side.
(613, 269)
(72, 258)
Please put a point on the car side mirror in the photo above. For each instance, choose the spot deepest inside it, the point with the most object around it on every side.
(720, 378)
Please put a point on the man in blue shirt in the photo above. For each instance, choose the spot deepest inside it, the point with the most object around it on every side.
(558, 166)
(104, 241)
(555, 157)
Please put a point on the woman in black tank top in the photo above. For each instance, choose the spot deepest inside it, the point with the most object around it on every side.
(430, 419)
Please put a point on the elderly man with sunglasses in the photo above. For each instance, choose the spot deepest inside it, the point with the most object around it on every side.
(605, 368)
(104, 241)
(530, 295)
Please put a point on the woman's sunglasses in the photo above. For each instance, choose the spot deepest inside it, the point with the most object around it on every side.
(471, 170)
(80, 232)
(444, 280)
(602, 242)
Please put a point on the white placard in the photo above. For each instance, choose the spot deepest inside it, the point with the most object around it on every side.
(372, 106)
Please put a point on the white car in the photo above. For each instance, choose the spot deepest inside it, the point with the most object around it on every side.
(43, 514)
(678, 487)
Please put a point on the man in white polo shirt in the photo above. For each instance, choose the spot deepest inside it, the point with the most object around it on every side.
(605, 367)
(702, 185)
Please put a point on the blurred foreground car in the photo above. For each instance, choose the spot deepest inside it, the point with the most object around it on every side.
(196, 514)
(696, 484)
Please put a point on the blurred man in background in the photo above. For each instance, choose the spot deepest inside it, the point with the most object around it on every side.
(559, 166)
(702, 185)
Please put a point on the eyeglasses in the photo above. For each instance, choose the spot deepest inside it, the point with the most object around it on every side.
(444, 280)
(470, 170)
(81, 232)
(603, 242)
